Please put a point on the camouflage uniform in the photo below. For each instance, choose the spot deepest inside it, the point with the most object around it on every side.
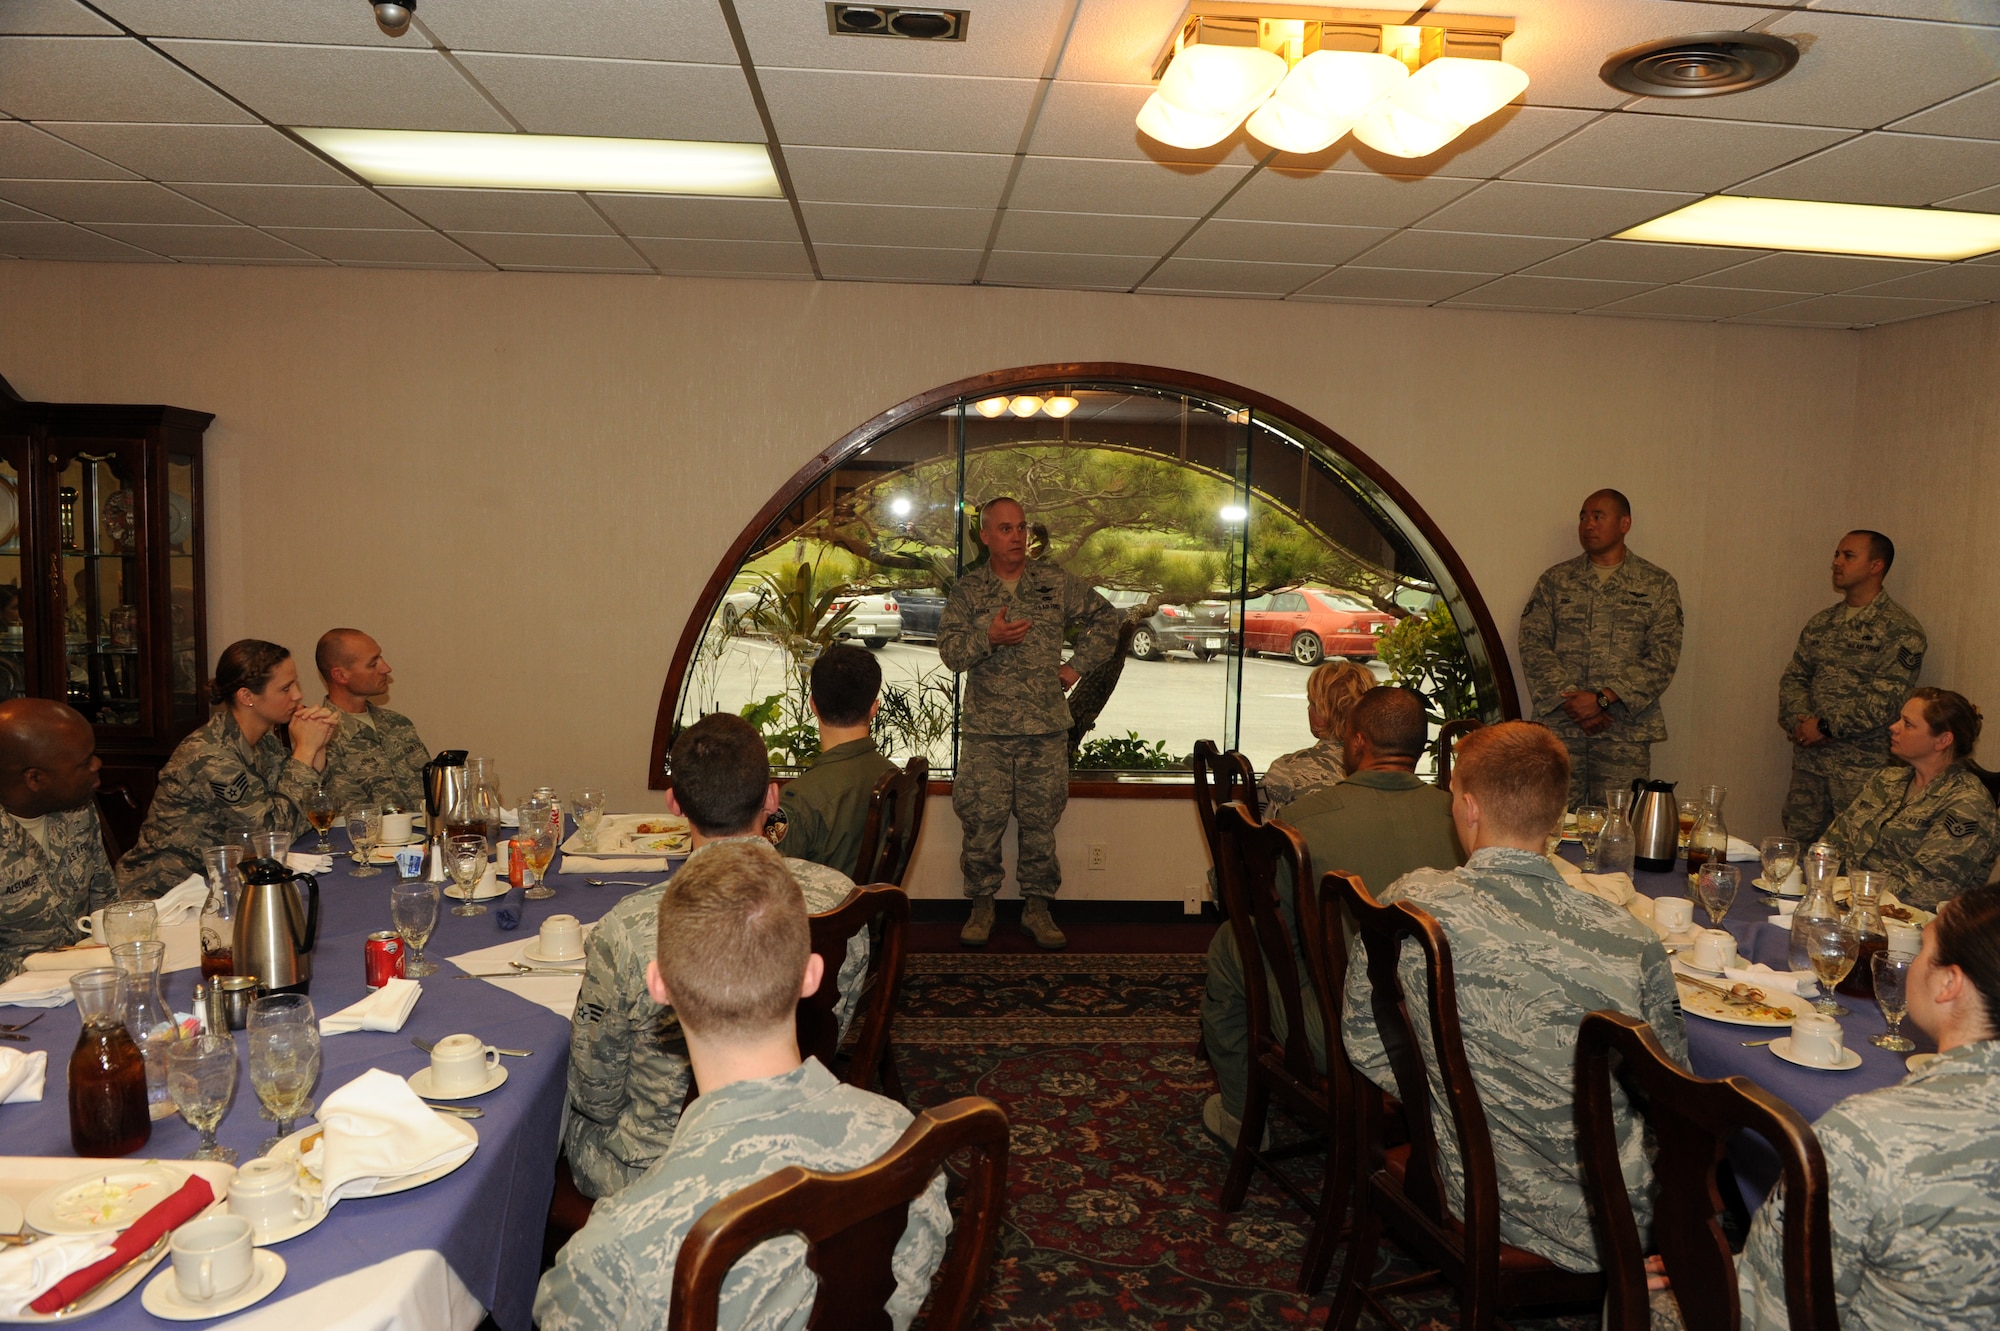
(826, 806)
(215, 783)
(1932, 846)
(618, 1272)
(1380, 825)
(378, 764)
(628, 1068)
(1530, 955)
(1013, 754)
(1913, 1192)
(1623, 633)
(1296, 774)
(43, 893)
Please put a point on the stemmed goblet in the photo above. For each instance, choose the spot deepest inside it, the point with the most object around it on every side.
(319, 812)
(1716, 885)
(201, 1076)
(1891, 973)
(1831, 947)
(587, 807)
(413, 907)
(537, 840)
(1781, 856)
(364, 829)
(284, 1059)
(1589, 826)
(465, 856)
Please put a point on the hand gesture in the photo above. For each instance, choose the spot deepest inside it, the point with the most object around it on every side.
(311, 728)
(1004, 632)
(1068, 677)
(1807, 732)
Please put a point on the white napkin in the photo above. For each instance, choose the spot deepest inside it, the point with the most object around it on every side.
(510, 817)
(22, 1075)
(183, 901)
(1739, 849)
(71, 959)
(300, 861)
(27, 1271)
(376, 1128)
(557, 993)
(1799, 983)
(36, 989)
(635, 864)
(409, 1290)
(384, 1010)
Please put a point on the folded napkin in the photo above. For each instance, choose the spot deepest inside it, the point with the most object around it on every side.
(557, 993)
(614, 864)
(1615, 888)
(28, 1270)
(193, 1198)
(1799, 983)
(1739, 849)
(22, 1075)
(80, 958)
(375, 1128)
(183, 901)
(510, 818)
(384, 1010)
(300, 861)
(32, 988)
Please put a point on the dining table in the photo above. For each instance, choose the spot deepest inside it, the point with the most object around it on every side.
(487, 1217)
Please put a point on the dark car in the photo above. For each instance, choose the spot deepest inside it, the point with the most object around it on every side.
(1201, 628)
(921, 609)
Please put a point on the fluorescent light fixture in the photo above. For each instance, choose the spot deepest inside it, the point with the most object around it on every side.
(550, 161)
(1207, 91)
(1322, 98)
(1825, 228)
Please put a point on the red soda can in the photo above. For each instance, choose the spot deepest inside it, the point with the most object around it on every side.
(517, 863)
(383, 960)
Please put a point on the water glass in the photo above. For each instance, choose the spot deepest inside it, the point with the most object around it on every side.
(1831, 947)
(284, 1060)
(587, 807)
(319, 812)
(536, 841)
(465, 856)
(130, 922)
(1716, 885)
(1891, 973)
(201, 1076)
(268, 845)
(413, 907)
(1589, 826)
(1781, 856)
(364, 829)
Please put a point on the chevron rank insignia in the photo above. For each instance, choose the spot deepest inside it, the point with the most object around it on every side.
(1911, 660)
(1959, 826)
(232, 792)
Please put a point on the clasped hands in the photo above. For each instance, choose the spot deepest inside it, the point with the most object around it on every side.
(1005, 631)
(1807, 733)
(1581, 704)
(310, 729)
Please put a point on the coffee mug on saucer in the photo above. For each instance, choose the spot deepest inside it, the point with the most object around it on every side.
(562, 938)
(1672, 915)
(266, 1192)
(396, 828)
(212, 1257)
(1818, 1040)
(461, 1063)
(1714, 949)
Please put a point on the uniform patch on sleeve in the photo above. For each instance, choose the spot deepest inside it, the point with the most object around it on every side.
(1959, 826)
(232, 792)
(1910, 660)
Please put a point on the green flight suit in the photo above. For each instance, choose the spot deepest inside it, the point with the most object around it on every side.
(827, 805)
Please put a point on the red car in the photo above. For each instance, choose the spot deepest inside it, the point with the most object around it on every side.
(1309, 624)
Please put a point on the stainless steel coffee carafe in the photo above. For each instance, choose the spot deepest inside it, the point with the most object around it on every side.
(1656, 826)
(275, 928)
(444, 783)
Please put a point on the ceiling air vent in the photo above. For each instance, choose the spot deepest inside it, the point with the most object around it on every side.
(921, 25)
(1707, 64)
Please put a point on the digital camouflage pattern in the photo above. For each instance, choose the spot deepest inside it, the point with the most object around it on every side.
(216, 782)
(1854, 672)
(1623, 633)
(1014, 690)
(1026, 776)
(1933, 845)
(826, 806)
(618, 1272)
(1913, 1191)
(628, 1067)
(1295, 774)
(1530, 956)
(378, 764)
(43, 893)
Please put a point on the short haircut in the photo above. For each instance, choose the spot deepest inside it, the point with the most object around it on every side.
(987, 507)
(1333, 688)
(333, 651)
(1967, 930)
(1518, 772)
(247, 663)
(1945, 710)
(845, 680)
(733, 940)
(1391, 718)
(721, 771)
(1879, 547)
(1615, 496)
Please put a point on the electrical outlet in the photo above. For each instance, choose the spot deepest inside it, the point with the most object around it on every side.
(1097, 856)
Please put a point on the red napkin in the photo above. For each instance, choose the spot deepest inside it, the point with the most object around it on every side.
(193, 1198)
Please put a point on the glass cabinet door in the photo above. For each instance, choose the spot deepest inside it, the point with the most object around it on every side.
(15, 648)
(185, 705)
(99, 515)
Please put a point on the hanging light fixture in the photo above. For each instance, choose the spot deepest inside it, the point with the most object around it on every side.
(990, 407)
(1026, 405)
(1059, 407)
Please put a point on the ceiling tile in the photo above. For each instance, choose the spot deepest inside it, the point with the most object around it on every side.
(697, 219)
(361, 87)
(1944, 11)
(511, 250)
(304, 205)
(12, 213)
(1391, 284)
(839, 109)
(1075, 185)
(1905, 169)
(1811, 272)
(1020, 269)
(345, 245)
(202, 242)
(229, 154)
(1089, 233)
(1853, 311)
(502, 210)
(1633, 261)
(1958, 281)
(760, 257)
(60, 240)
(104, 78)
(1536, 210)
(266, 21)
(108, 201)
(1548, 293)
(1004, 38)
(883, 263)
(1261, 279)
(1671, 152)
(1116, 41)
(27, 153)
(631, 99)
(1698, 302)
(1976, 115)
(1341, 198)
(690, 30)
(918, 228)
(934, 180)
(1098, 120)
(1487, 149)
(53, 17)
(1463, 252)
(1279, 242)
(1985, 200)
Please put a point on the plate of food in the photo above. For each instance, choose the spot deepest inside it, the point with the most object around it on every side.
(661, 843)
(103, 1201)
(1745, 1005)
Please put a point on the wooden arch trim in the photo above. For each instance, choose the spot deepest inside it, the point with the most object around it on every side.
(1028, 376)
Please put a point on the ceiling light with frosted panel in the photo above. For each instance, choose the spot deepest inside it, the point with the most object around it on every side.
(1207, 90)
(549, 162)
(1059, 406)
(1322, 98)
(1025, 405)
(1825, 228)
(989, 407)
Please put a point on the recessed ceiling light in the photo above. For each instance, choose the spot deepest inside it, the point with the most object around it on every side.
(1825, 228)
(550, 161)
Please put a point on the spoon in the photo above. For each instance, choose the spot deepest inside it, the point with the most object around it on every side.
(24, 1025)
(455, 1111)
(614, 882)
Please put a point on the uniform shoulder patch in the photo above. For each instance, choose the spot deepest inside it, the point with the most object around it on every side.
(1959, 825)
(1910, 660)
(232, 792)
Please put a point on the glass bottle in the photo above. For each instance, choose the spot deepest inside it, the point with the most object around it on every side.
(107, 1073)
(1822, 866)
(1864, 917)
(471, 816)
(148, 1019)
(482, 778)
(1616, 844)
(218, 911)
(1710, 838)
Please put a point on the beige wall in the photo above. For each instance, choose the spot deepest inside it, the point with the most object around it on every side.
(518, 482)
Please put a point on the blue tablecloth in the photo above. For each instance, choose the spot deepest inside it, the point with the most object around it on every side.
(487, 1218)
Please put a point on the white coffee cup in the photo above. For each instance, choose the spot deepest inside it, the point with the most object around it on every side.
(1641, 907)
(461, 1063)
(1672, 915)
(1794, 884)
(1714, 949)
(396, 828)
(1818, 1040)
(266, 1192)
(1905, 940)
(562, 938)
(212, 1257)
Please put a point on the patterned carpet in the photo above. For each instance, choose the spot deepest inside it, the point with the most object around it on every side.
(1112, 1221)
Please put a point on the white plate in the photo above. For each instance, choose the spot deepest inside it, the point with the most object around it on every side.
(1782, 1047)
(1759, 883)
(104, 1296)
(1918, 1062)
(288, 1149)
(420, 1082)
(11, 1218)
(504, 887)
(1699, 1002)
(661, 843)
(163, 1298)
(103, 1201)
(533, 953)
(285, 1233)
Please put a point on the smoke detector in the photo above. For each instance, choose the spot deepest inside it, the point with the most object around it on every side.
(920, 25)
(1707, 64)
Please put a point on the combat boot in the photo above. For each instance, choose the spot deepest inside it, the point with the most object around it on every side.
(1039, 925)
(979, 927)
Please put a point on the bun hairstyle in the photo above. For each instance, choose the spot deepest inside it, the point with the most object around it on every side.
(1945, 710)
(245, 664)
(1967, 930)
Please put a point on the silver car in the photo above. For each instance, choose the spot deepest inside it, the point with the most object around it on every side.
(877, 619)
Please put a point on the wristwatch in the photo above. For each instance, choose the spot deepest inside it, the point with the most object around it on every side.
(1603, 702)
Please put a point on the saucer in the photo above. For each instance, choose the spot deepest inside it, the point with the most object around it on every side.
(1762, 886)
(532, 952)
(420, 1082)
(501, 888)
(1918, 1062)
(163, 1297)
(288, 1231)
(1693, 969)
(1782, 1047)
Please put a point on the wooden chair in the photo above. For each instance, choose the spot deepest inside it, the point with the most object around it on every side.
(1991, 780)
(1692, 1119)
(1220, 778)
(884, 911)
(895, 818)
(1449, 734)
(118, 821)
(851, 1223)
(1404, 1190)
